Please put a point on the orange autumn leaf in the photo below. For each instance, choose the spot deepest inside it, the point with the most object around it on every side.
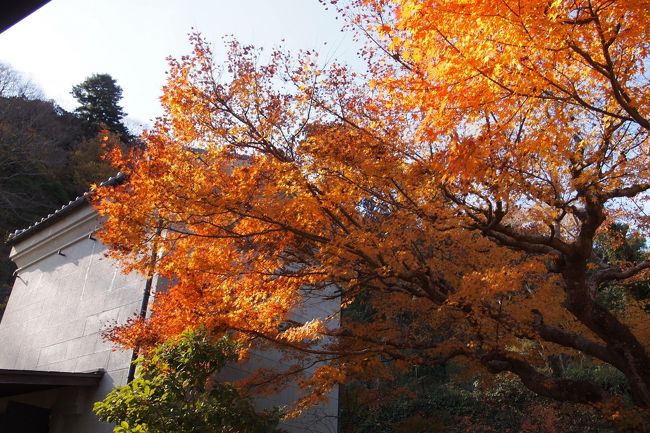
(449, 200)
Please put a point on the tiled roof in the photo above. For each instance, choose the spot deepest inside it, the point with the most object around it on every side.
(60, 213)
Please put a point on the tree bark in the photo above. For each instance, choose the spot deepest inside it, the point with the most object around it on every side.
(625, 351)
(577, 391)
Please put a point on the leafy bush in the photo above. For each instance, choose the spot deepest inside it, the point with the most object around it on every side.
(177, 391)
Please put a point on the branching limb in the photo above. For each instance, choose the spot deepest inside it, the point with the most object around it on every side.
(578, 391)
(615, 273)
(569, 339)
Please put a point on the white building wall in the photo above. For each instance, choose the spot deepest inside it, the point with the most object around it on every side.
(322, 418)
(57, 309)
(59, 305)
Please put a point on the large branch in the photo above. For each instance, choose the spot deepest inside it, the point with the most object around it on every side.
(629, 191)
(578, 391)
(620, 93)
(569, 339)
(616, 274)
(551, 243)
(489, 221)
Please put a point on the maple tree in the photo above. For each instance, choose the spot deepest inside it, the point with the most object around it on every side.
(450, 199)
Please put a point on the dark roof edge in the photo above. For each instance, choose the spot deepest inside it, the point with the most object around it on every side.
(15, 12)
(58, 214)
(43, 377)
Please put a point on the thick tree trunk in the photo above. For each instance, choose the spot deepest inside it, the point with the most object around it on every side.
(625, 351)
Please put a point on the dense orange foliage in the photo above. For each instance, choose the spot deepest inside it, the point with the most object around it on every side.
(450, 199)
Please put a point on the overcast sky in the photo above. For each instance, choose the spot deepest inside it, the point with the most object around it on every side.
(67, 40)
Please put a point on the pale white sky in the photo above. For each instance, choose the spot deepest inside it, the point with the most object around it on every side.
(67, 40)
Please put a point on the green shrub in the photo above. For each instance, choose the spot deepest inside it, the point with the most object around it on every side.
(176, 391)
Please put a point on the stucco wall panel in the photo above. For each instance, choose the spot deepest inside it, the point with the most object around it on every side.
(68, 292)
(57, 311)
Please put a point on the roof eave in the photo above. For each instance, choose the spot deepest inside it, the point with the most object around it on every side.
(60, 213)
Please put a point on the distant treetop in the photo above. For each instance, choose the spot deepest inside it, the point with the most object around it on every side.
(99, 98)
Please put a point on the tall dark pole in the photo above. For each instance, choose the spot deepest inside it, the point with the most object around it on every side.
(145, 300)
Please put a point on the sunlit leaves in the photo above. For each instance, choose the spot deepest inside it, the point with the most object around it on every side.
(448, 201)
